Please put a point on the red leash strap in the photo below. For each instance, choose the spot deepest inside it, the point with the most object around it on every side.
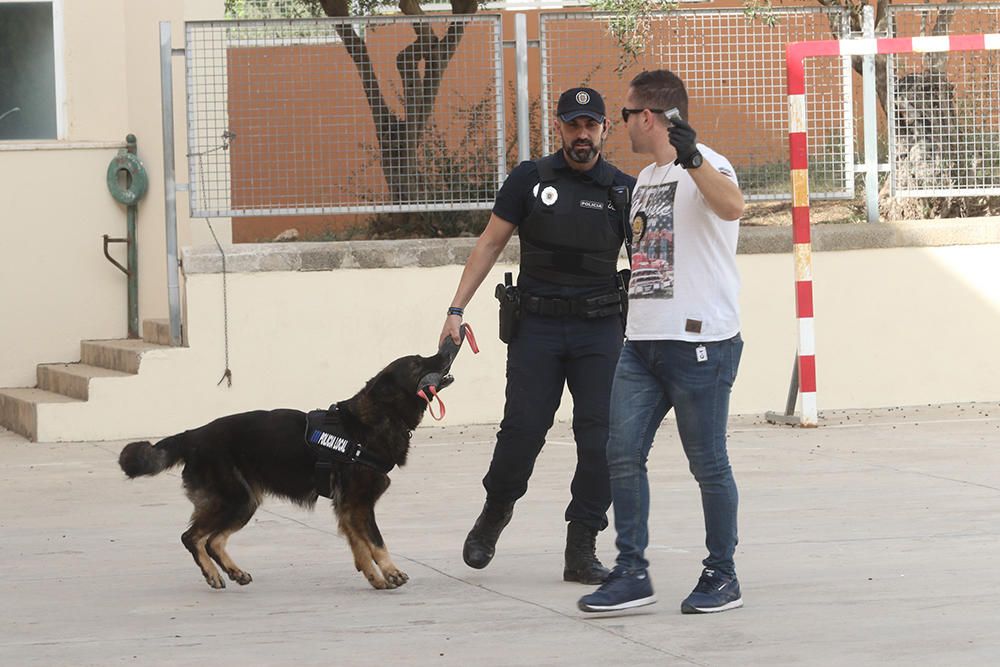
(440, 402)
(472, 339)
(430, 402)
(433, 390)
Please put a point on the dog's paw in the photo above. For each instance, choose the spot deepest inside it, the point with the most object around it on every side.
(376, 581)
(215, 580)
(240, 577)
(396, 579)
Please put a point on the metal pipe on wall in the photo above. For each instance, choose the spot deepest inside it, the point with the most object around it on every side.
(870, 120)
(169, 180)
(521, 58)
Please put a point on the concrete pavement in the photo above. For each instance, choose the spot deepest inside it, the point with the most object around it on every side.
(869, 541)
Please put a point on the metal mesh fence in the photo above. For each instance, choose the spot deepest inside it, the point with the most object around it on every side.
(944, 108)
(320, 116)
(733, 64)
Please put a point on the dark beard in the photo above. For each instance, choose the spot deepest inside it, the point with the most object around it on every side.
(581, 154)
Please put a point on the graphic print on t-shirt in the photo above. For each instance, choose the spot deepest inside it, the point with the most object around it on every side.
(653, 242)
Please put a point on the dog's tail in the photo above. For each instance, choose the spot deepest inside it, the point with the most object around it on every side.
(143, 458)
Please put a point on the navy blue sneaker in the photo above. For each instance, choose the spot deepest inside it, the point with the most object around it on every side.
(715, 592)
(623, 589)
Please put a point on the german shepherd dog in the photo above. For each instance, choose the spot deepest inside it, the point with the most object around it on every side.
(231, 463)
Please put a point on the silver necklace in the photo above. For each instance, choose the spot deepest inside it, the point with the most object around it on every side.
(648, 190)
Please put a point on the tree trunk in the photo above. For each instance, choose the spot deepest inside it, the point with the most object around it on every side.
(927, 154)
(399, 136)
(927, 150)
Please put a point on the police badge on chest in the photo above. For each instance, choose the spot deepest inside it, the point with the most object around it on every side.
(549, 194)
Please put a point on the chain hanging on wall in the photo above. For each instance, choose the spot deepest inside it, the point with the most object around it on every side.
(227, 374)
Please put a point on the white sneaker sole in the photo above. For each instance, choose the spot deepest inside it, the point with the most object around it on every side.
(631, 604)
(688, 609)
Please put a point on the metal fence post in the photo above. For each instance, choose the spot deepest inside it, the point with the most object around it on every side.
(169, 180)
(870, 119)
(521, 58)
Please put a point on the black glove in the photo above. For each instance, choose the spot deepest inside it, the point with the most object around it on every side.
(684, 139)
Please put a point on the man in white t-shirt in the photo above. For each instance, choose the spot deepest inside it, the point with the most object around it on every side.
(683, 346)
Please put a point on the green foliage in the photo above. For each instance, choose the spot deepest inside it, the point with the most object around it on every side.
(267, 9)
(630, 23)
(761, 10)
(298, 9)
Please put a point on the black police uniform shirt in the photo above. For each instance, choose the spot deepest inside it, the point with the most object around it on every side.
(516, 199)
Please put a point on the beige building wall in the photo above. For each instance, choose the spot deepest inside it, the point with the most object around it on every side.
(894, 326)
(56, 287)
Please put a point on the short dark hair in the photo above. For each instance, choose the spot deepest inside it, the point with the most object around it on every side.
(660, 89)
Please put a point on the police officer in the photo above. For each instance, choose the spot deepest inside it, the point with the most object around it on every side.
(568, 208)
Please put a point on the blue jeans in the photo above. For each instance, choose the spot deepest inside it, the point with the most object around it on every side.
(652, 377)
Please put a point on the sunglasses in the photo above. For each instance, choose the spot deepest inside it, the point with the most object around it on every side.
(628, 112)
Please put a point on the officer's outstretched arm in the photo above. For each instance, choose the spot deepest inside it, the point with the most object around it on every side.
(489, 246)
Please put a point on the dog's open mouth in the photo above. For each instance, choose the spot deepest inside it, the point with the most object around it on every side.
(428, 389)
(431, 383)
(446, 380)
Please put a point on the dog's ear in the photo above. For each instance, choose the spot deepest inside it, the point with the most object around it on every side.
(406, 373)
(394, 389)
(380, 393)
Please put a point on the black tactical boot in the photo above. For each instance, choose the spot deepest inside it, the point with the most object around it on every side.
(581, 557)
(481, 543)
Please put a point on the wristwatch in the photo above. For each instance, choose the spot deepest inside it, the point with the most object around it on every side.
(694, 161)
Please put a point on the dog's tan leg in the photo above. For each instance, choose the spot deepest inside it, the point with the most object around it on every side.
(226, 513)
(216, 548)
(362, 550)
(394, 577)
(195, 543)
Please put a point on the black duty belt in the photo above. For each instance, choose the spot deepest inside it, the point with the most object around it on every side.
(327, 438)
(602, 305)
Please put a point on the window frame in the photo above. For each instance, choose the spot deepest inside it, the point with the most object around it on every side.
(59, 60)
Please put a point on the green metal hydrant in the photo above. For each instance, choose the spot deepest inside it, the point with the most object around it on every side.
(128, 182)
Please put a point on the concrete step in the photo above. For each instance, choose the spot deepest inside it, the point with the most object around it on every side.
(19, 408)
(121, 355)
(72, 380)
(156, 331)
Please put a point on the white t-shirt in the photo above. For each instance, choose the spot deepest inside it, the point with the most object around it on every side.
(685, 285)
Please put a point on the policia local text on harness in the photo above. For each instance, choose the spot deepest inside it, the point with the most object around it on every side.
(585, 255)
(326, 436)
(328, 439)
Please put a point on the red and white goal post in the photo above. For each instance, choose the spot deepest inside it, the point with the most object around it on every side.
(795, 55)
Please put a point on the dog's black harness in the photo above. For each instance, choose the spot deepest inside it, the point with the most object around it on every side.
(326, 436)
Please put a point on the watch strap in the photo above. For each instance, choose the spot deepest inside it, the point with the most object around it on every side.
(693, 161)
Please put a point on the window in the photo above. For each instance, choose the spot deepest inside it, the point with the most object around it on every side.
(30, 69)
